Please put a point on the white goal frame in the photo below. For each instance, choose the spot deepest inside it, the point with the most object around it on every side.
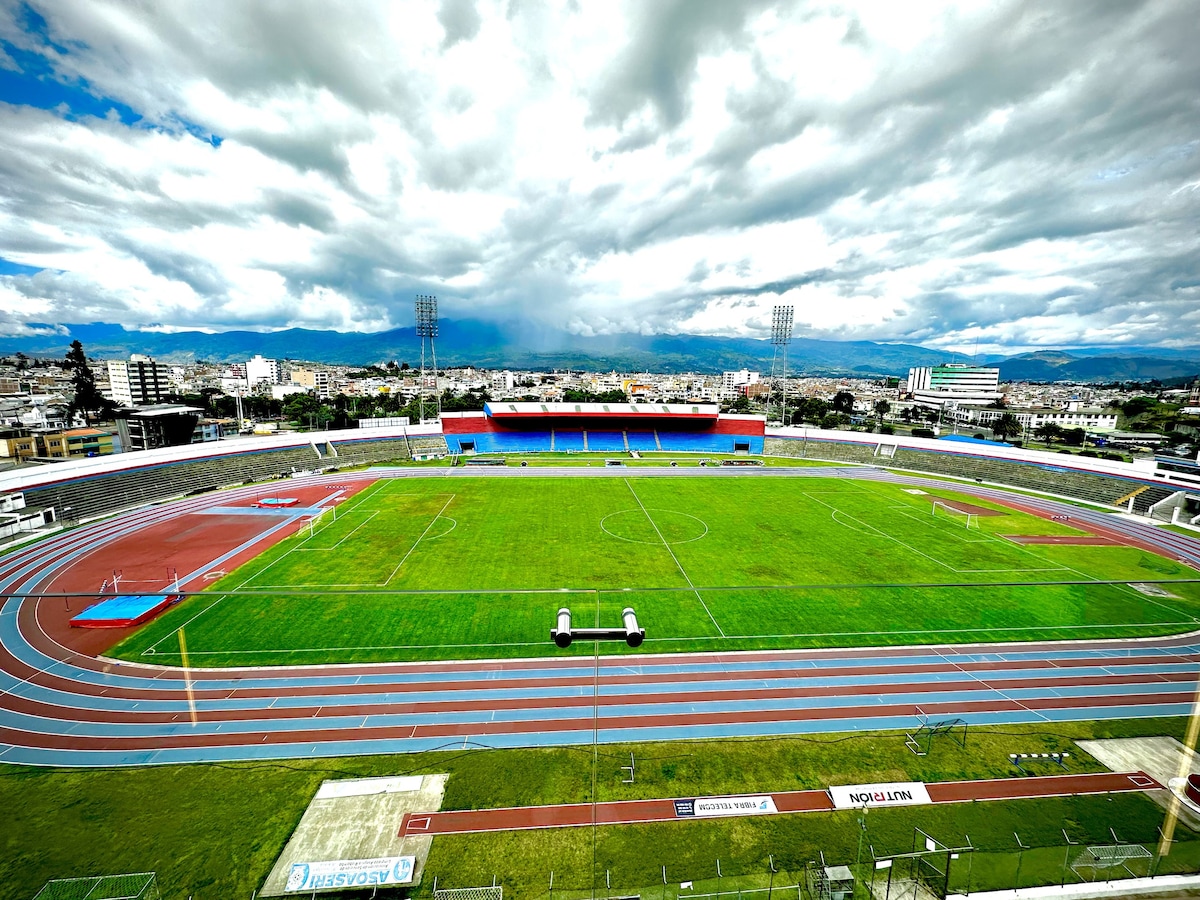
(972, 519)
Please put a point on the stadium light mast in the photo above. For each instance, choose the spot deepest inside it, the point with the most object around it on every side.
(427, 328)
(781, 336)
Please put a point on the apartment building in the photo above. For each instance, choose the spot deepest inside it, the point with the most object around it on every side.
(138, 381)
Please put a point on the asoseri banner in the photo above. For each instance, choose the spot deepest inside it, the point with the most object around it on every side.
(350, 873)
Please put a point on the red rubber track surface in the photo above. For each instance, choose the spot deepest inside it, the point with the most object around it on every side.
(629, 812)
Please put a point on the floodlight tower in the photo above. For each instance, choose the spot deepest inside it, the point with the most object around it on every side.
(427, 328)
(781, 336)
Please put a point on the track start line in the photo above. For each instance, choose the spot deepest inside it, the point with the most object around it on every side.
(628, 812)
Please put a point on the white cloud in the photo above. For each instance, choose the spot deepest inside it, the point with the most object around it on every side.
(945, 175)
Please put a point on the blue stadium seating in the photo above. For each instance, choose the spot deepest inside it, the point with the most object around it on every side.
(688, 442)
(606, 441)
(506, 442)
(565, 441)
(642, 440)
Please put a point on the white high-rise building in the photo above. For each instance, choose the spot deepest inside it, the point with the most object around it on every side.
(263, 371)
(140, 381)
(954, 382)
(731, 381)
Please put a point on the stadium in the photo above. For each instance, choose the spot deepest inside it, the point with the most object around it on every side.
(380, 605)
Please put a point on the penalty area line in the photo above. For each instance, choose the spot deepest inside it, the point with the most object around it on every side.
(150, 651)
(418, 541)
(192, 652)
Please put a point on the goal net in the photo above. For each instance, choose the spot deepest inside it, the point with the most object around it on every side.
(491, 892)
(969, 519)
(137, 886)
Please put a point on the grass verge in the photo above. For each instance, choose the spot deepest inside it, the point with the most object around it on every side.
(213, 831)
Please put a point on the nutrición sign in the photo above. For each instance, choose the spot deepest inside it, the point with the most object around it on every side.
(900, 793)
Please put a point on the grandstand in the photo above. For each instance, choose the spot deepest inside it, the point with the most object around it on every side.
(1121, 485)
(92, 487)
(602, 428)
(79, 489)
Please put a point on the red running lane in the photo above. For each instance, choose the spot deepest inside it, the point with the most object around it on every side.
(628, 812)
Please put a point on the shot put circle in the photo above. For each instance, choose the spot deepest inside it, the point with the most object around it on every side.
(632, 525)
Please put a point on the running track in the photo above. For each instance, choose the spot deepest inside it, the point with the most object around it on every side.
(68, 708)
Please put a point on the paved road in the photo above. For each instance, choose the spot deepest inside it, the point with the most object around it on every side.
(63, 706)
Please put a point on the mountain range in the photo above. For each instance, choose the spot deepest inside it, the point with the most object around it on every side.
(522, 345)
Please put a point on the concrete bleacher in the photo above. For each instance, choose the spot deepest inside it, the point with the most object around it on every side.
(1103, 489)
(89, 488)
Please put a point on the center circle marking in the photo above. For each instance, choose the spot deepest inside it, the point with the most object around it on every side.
(669, 523)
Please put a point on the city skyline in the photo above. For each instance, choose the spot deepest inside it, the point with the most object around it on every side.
(996, 178)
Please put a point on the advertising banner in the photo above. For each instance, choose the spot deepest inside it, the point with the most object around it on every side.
(349, 873)
(701, 807)
(901, 793)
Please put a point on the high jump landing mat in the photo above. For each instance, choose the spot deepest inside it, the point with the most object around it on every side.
(124, 610)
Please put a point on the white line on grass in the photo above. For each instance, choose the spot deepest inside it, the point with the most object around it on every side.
(673, 556)
(347, 537)
(192, 652)
(1138, 595)
(838, 515)
(920, 632)
(150, 650)
(418, 540)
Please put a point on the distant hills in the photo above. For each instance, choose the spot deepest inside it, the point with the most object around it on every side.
(522, 345)
(1056, 365)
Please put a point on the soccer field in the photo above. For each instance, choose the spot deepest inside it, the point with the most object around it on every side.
(477, 567)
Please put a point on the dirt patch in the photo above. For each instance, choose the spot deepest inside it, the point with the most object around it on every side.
(967, 507)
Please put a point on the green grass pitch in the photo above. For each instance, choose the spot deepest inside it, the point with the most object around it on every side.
(477, 567)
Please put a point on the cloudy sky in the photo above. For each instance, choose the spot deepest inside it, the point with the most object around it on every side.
(1005, 175)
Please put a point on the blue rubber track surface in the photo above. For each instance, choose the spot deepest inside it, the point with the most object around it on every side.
(60, 708)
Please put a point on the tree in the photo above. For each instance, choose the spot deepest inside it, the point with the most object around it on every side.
(87, 397)
(1138, 405)
(741, 404)
(812, 409)
(882, 408)
(302, 408)
(1006, 425)
(1074, 436)
(843, 402)
(1048, 432)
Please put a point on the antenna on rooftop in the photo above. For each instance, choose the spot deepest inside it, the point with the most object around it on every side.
(781, 336)
(427, 328)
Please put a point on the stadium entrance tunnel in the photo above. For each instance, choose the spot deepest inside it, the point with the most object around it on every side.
(629, 632)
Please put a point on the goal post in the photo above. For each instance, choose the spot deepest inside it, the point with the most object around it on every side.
(969, 519)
